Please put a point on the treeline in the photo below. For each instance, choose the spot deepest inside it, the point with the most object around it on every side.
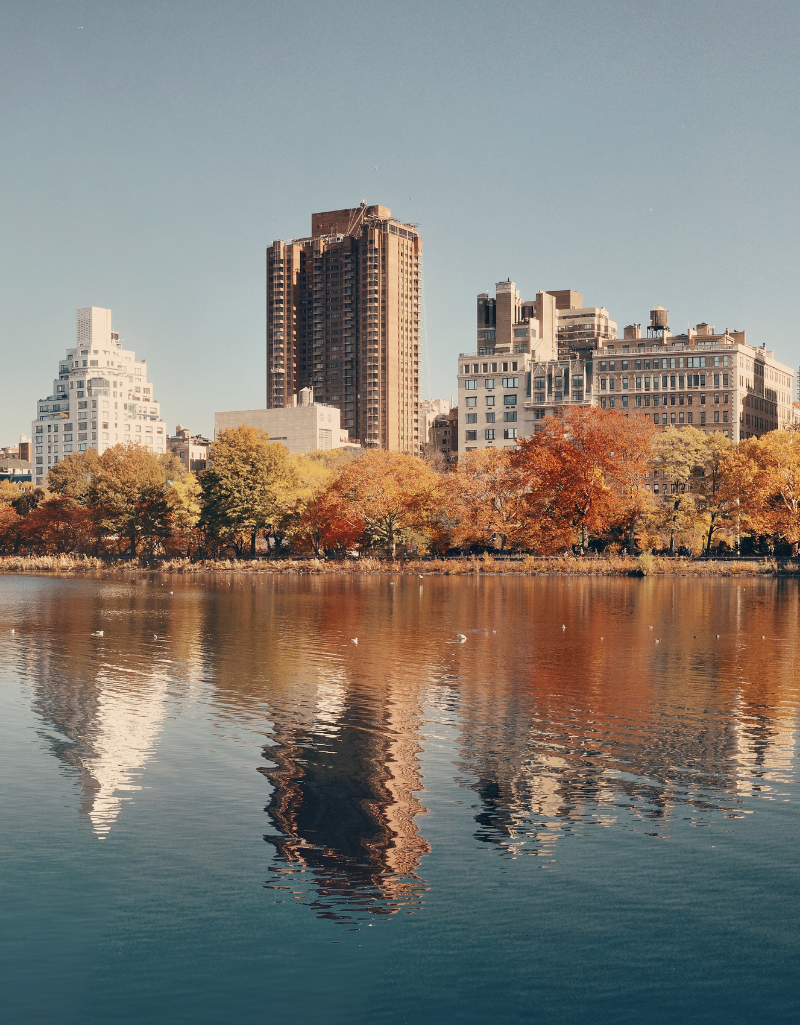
(591, 479)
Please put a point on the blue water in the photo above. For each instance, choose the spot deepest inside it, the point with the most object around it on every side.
(222, 810)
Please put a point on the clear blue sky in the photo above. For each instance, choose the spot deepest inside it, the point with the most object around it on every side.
(640, 153)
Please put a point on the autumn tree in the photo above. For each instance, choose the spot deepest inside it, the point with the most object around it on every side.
(127, 496)
(183, 498)
(487, 499)
(10, 491)
(584, 469)
(57, 526)
(72, 476)
(249, 487)
(762, 481)
(386, 498)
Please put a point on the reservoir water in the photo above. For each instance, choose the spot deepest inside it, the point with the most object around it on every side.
(225, 810)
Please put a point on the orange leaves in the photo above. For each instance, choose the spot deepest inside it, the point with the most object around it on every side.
(585, 469)
(763, 477)
(380, 500)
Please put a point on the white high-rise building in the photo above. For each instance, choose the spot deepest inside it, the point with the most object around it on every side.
(101, 397)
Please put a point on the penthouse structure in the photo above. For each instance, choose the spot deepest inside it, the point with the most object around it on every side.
(343, 312)
(101, 397)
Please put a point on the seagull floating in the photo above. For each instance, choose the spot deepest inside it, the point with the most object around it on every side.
(13, 631)
(462, 639)
(98, 633)
(563, 626)
(354, 640)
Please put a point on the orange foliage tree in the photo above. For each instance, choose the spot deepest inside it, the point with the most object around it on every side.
(58, 526)
(383, 499)
(762, 484)
(585, 471)
(488, 501)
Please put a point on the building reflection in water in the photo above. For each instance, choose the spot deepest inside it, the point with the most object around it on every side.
(555, 731)
(597, 724)
(103, 700)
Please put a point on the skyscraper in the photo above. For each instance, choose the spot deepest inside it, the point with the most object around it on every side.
(101, 397)
(343, 312)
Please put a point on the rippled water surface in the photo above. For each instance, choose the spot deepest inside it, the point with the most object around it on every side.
(225, 810)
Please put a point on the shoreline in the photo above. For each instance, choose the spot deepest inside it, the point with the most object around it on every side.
(613, 566)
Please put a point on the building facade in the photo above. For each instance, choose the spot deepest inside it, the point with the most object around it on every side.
(192, 450)
(443, 437)
(711, 381)
(343, 318)
(101, 397)
(304, 426)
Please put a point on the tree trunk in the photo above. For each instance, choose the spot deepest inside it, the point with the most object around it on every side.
(253, 543)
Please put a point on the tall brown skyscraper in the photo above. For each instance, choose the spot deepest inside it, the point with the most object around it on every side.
(343, 319)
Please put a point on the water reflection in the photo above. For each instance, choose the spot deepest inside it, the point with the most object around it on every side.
(657, 704)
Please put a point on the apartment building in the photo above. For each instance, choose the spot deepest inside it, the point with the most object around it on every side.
(443, 438)
(712, 381)
(192, 450)
(343, 318)
(101, 396)
(493, 383)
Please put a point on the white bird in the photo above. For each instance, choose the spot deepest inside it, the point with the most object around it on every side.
(656, 641)
(563, 626)
(354, 640)
(763, 638)
(98, 633)
(649, 628)
(13, 631)
(155, 637)
(462, 639)
(172, 592)
(420, 576)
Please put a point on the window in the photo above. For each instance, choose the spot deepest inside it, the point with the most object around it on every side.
(603, 384)
(490, 400)
(509, 433)
(472, 418)
(625, 401)
(490, 418)
(471, 400)
(472, 435)
(510, 416)
(612, 383)
(624, 364)
(511, 382)
(471, 385)
(488, 383)
(489, 433)
(624, 383)
(466, 368)
(611, 402)
(509, 400)
(638, 400)
(702, 418)
(725, 416)
(603, 403)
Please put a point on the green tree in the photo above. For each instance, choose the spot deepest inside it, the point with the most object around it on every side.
(677, 456)
(72, 477)
(249, 487)
(128, 496)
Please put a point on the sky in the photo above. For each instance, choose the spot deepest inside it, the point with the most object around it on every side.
(641, 153)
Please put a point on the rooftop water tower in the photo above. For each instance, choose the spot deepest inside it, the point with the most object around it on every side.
(659, 322)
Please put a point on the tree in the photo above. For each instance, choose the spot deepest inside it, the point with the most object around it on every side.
(28, 500)
(9, 493)
(487, 499)
(249, 487)
(183, 502)
(57, 526)
(10, 535)
(762, 477)
(585, 469)
(72, 476)
(127, 496)
(707, 484)
(678, 456)
(386, 498)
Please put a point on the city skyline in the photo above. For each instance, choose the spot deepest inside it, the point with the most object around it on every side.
(673, 188)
